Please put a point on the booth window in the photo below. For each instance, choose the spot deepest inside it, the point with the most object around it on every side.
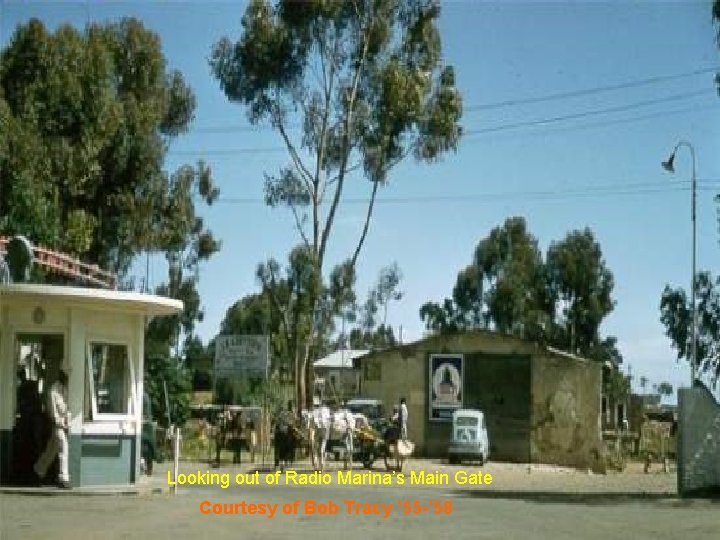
(109, 378)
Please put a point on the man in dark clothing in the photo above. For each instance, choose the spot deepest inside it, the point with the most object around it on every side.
(28, 428)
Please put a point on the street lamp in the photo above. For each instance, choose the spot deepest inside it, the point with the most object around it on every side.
(669, 166)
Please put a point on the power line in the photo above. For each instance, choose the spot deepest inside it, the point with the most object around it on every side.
(513, 102)
(642, 188)
(590, 91)
(513, 126)
(585, 114)
(617, 121)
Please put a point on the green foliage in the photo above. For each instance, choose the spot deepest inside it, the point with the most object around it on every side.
(582, 282)
(560, 301)
(381, 337)
(616, 385)
(365, 81)
(86, 118)
(161, 369)
(675, 315)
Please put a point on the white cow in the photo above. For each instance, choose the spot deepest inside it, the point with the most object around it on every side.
(317, 424)
(344, 426)
(323, 426)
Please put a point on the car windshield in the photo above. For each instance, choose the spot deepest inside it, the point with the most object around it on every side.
(367, 409)
(469, 421)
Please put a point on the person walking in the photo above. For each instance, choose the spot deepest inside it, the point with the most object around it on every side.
(403, 418)
(57, 445)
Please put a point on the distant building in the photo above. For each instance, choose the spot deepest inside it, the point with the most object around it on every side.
(542, 405)
(335, 377)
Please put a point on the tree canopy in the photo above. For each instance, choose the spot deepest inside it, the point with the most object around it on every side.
(86, 118)
(675, 315)
(351, 87)
(560, 300)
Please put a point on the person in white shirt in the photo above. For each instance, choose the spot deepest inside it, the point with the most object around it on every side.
(58, 443)
(403, 419)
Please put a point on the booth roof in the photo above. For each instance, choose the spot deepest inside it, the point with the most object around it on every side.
(148, 303)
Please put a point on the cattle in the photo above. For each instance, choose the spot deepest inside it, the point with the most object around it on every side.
(317, 426)
(288, 438)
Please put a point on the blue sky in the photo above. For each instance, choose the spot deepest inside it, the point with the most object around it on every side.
(587, 169)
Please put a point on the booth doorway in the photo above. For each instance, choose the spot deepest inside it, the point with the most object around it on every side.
(38, 359)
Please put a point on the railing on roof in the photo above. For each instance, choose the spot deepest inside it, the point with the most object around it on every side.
(61, 263)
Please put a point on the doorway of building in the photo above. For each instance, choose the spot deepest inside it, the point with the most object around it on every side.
(38, 358)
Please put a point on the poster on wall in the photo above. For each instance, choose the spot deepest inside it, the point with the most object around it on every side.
(446, 385)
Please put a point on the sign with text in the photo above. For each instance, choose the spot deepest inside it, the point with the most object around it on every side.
(446, 386)
(241, 355)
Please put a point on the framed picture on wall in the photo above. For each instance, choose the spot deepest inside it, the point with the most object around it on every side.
(445, 386)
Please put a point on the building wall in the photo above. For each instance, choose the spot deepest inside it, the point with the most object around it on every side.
(346, 382)
(395, 374)
(498, 385)
(404, 371)
(698, 442)
(566, 406)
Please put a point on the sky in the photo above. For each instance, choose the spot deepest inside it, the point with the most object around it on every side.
(634, 78)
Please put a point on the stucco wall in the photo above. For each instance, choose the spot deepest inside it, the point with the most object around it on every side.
(540, 406)
(404, 371)
(698, 442)
(566, 404)
(499, 385)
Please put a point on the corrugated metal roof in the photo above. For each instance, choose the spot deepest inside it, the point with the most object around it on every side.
(340, 359)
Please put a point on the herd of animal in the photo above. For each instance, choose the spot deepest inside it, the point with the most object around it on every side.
(316, 433)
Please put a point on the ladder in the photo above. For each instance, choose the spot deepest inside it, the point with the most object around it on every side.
(61, 263)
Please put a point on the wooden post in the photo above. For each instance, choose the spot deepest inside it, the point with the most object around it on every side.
(176, 456)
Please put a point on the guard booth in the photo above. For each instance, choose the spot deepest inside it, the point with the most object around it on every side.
(97, 337)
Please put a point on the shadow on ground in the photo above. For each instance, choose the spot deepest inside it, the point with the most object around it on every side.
(588, 499)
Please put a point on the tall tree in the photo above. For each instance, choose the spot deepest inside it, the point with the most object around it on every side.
(86, 118)
(387, 288)
(583, 284)
(675, 309)
(560, 301)
(505, 288)
(365, 82)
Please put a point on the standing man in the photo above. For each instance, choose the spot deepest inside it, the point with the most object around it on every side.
(403, 419)
(58, 443)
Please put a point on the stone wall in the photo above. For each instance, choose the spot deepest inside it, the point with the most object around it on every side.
(565, 417)
(499, 385)
(404, 371)
(698, 443)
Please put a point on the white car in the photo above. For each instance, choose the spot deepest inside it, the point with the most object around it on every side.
(469, 438)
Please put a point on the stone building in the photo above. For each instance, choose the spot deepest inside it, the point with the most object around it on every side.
(335, 377)
(542, 405)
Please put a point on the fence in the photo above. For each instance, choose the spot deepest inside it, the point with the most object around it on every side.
(698, 442)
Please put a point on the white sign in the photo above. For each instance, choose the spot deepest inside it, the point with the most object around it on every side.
(241, 355)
